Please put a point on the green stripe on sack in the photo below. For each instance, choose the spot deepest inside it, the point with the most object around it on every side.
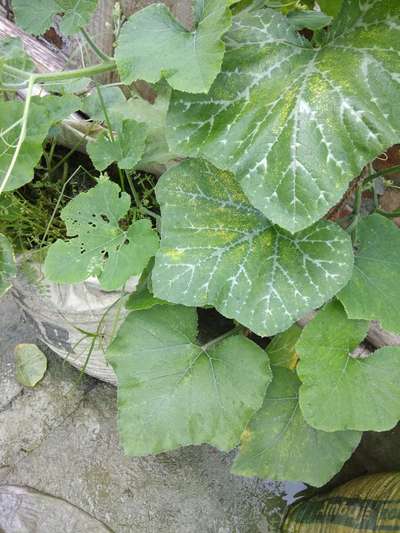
(359, 514)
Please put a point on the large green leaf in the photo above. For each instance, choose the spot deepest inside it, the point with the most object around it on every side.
(126, 147)
(373, 292)
(341, 391)
(43, 113)
(7, 264)
(99, 245)
(154, 45)
(173, 392)
(279, 444)
(295, 122)
(36, 16)
(217, 249)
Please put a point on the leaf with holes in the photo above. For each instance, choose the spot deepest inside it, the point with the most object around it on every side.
(341, 391)
(279, 444)
(297, 123)
(98, 245)
(7, 264)
(37, 16)
(217, 249)
(126, 148)
(174, 392)
(373, 293)
(44, 112)
(154, 45)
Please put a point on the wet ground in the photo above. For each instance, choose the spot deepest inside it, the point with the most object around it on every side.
(61, 439)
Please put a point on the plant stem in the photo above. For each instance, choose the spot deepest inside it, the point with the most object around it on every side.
(100, 54)
(375, 175)
(233, 331)
(22, 135)
(107, 66)
(352, 228)
(388, 214)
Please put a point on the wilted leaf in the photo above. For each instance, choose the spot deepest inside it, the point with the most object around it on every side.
(373, 292)
(7, 264)
(31, 364)
(126, 148)
(279, 444)
(217, 249)
(154, 45)
(43, 113)
(173, 392)
(295, 122)
(98, 245)
(340, 391)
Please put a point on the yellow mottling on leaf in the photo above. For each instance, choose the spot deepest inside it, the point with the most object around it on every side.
(246, 436)
(174, 254)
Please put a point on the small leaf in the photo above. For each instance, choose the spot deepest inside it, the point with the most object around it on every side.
(373, 292)
(278, 443)
(43, 113)
(341, 391)
(7, 264)
(12, 53)
(216, 249)
(37, 16)
(98, 246)
(91, 104)
(313, 20)
(126, 148)
(154, 45)
(297, 123)
(281, 350)
(31, 364)
(173, 392)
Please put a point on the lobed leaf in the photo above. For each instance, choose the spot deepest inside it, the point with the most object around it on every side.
(98, 246)
(173, 392)
(279, 444)
(7, 264)
(297, 123)
(36, 16)
(154, 45)
(44, 112)
(217, 249)
(125, 148)
(341, 391)
(373, 292)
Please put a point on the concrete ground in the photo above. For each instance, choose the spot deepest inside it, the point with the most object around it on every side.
(61, 438)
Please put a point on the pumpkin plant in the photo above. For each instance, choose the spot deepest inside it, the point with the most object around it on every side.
(266, 116)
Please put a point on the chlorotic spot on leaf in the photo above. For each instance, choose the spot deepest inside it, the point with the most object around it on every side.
(7, 264)
(373, 292)
(279, 444)
(341, 391)
(154, 45)
(30, 364)
(173, 392)
(217, 249)
(297, 123)
(98, 245)
(44, 112)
